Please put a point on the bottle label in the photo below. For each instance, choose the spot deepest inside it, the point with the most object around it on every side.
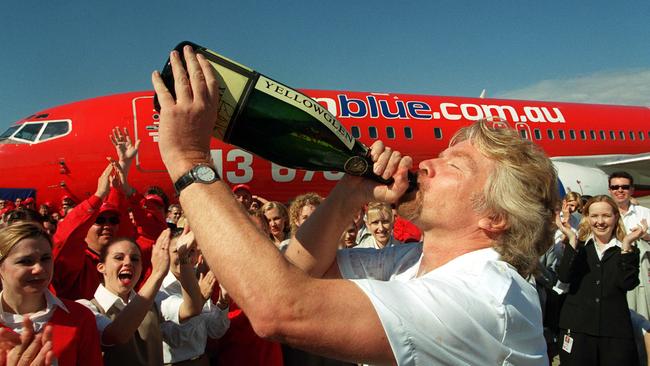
(232, 78)
(306, 104)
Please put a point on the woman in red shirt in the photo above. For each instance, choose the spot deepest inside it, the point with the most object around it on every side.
(26, 268)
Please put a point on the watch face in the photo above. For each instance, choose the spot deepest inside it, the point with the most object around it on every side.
(205, 174)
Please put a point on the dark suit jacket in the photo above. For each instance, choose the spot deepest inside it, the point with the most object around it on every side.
(596, 302)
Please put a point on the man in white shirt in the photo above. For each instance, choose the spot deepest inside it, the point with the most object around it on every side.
(485, 205)
(185, 339)
(621, 189)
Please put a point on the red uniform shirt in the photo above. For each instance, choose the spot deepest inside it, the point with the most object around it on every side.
(75, 266)
(75, 339)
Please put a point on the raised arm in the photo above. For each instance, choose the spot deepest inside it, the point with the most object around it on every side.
(329, 317)
(193, 300)
(69, 240)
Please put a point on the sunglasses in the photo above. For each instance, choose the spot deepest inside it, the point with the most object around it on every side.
(113, 220)
(616, 187)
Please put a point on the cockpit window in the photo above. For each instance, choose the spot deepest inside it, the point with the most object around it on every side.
(10, 131)
(54, 129)
(29, 131)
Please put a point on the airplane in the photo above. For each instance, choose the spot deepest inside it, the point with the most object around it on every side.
(61, 151)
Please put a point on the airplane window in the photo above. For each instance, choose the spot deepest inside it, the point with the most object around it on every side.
(612, 135)
(408, 133)
(355, 132)
(592, 133)
(622, 135)
(437, 133)
(583, 135)
(523, 134)
(550, 134)
(54, 129)
(372, 130)
(10, 131)
(632, 136)
(538, 134)
(29, 131)
(561, 134)
(390, 132)
(641, 136)
(572, 134)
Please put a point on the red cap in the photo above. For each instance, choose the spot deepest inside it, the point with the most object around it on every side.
(48, 204)
(155, 199)
(28, 200)
(108, 207)
(241, 186)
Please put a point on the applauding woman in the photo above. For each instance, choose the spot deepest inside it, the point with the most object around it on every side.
(26, 267)
(601, 265)
(129, 322)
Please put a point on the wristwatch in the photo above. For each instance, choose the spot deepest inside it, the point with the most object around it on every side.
(201, 173)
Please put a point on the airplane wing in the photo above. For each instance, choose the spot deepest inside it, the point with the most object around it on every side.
(638, 165)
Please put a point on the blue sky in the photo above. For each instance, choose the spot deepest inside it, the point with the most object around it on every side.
(57, 52)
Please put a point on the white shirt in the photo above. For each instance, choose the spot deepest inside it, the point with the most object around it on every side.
(39, 318)
(106, 300)
(613, 242)
(474, 310)
(187, 340)
(634, 215)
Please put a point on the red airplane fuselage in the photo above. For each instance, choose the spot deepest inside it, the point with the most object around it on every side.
(61, 150)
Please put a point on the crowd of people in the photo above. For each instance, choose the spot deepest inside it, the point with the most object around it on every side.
(373, 274)
(131, 259)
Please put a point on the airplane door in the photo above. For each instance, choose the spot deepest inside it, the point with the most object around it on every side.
(145, 125)
(524, 130)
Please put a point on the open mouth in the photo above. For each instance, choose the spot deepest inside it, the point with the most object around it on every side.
(125, 277)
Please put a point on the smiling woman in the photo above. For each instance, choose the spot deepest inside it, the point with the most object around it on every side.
(601, 265)
(26, 271)
(129, 322)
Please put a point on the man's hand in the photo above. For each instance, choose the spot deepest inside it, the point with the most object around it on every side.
(104, 181)
(186, 123)
(184, 245)
(160, 254)
(206, 284)
(387, 163)
(119, 179)
(124, 147)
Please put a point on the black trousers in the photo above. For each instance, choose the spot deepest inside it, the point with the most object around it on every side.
(590, 350)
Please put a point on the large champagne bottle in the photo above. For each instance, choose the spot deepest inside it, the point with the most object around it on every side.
(278, 123)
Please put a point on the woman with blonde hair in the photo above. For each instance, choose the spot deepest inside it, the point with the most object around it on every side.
(26, 268)
(600, 264)
(277, 217)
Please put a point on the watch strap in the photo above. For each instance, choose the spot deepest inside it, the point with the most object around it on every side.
(184, 181)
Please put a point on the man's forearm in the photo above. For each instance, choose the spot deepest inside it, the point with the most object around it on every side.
(192, 298)
(315, 245)
(242, 259)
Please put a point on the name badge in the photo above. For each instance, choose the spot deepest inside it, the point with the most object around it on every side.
(567, 344)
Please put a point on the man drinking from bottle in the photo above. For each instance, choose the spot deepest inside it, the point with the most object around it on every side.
(485, 206)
